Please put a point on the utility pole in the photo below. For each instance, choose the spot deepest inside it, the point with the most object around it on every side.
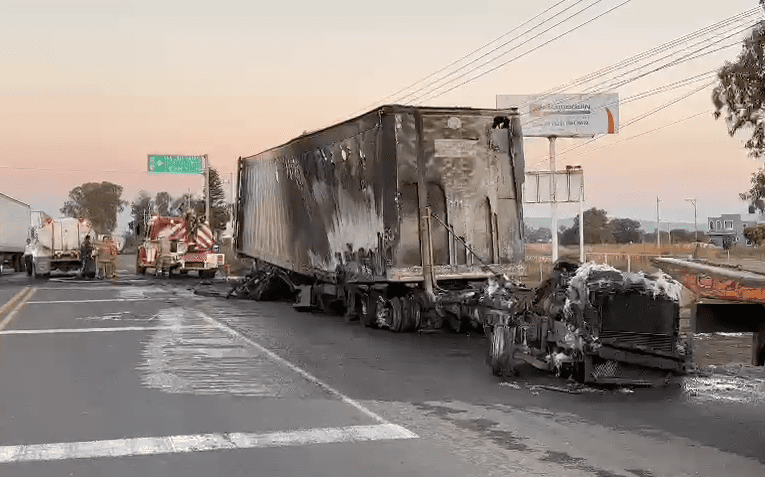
(695, 227)
(669, 232)
(658, 221)
(207, 190)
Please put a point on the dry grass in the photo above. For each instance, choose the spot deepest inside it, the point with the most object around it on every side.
(633, 257)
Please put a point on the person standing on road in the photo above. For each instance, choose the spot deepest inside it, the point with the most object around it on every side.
(86, 255)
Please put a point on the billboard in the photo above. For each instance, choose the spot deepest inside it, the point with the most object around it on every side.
(565, 115)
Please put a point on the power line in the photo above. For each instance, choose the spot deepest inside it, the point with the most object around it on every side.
(648, 93)
(647, 132)
(635, 120)
(653, 51)
(657, 50)
(503, 45)
(527, 52)
(698, 53)
(462, 58)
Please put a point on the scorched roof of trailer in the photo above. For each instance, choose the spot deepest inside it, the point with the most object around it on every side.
(392, 109)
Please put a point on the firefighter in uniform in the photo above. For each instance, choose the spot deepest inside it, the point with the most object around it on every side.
(107, 254)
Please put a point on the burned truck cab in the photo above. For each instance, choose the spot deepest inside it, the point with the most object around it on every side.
(595, 323)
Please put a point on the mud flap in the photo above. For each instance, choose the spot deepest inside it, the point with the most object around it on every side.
(303, 300)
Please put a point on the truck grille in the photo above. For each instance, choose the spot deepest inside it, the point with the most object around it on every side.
(628, 338)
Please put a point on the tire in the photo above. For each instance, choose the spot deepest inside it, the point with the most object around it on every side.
(33, 273)
(367, 310)
(139, 270)
(396, 321)
(205, 274)
(28, 263)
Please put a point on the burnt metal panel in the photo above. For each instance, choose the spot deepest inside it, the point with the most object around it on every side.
(659, 342)
(639, 313)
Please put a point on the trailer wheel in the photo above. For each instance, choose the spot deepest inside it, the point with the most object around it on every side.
(28, 262)
(396, 319)
(407, 313)
(415, 313)
(368, 309)
(351, 307)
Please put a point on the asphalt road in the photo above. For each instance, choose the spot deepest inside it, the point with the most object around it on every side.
(139, 376)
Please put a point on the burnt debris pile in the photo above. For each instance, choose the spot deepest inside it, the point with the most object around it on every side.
(265, 283)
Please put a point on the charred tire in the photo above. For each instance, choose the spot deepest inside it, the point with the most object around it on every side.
(396, 314)
(407, 313)
(139, 270)
(351, 307)
(367, 310)
(416, 312)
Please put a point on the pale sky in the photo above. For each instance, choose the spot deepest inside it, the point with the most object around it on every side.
(96, 86)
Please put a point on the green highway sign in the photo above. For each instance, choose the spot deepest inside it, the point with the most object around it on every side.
(176, 164)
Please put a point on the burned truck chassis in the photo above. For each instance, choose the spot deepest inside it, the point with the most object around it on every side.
(523, 326)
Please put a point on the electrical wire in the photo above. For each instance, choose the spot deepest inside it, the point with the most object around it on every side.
(652, 52)
(634, 120)
(524, 54)
(647, 132)
(648, 93)
(698, 53)
(505, 44)
(371, 105)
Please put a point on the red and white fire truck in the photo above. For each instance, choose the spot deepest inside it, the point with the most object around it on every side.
(178, 244)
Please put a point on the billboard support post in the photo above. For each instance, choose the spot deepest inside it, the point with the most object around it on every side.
(554, 202)
(581, 223)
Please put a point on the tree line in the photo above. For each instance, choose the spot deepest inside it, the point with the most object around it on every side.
(599, 228)
(101, 202)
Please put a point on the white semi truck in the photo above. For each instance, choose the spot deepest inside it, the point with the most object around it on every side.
(14, 225)
(55, 245)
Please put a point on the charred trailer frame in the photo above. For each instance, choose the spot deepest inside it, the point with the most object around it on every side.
(368, 214)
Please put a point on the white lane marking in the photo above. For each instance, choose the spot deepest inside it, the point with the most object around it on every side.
(21, 302)
(199, 443)
(83, 330)
(44, 302)
(298, 370)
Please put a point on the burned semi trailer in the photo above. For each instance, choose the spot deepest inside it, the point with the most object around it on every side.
(375, 213)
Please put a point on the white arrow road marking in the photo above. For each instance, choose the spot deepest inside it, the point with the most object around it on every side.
(199, 443)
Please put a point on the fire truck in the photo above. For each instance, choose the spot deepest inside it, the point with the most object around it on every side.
(178, 244)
